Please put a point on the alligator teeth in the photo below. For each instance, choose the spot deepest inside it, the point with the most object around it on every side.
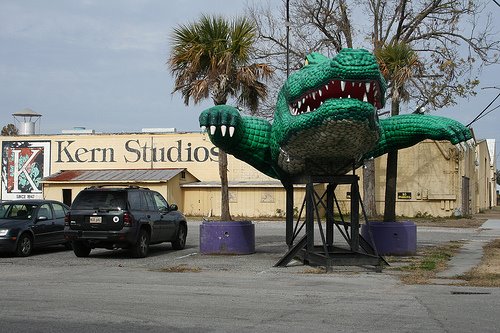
(212, 130)
(223, 130)
(353, 90)
(231, 131)
(203, 128)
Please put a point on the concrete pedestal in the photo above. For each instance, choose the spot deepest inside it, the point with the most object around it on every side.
(391, 238)
(232, 237)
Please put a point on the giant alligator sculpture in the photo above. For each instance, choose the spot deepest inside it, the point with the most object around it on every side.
(325, 122)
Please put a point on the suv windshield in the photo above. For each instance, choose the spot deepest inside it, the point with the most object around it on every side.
(110, 200)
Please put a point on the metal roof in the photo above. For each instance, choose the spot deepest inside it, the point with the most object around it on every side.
(27, 113)
(114, 175)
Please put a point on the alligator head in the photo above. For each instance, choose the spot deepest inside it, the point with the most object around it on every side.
(326, 113)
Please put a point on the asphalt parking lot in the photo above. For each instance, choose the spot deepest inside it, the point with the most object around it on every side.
(54, 291)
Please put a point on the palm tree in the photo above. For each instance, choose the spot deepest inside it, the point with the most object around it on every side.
(10, 130)
(398, 63)
(212, 58)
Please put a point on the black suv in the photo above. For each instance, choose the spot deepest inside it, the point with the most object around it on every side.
(123, 217)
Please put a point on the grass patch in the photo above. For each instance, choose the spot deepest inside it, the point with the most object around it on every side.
(183, 268)
(422, 268)
(449, 222)
(487, 274)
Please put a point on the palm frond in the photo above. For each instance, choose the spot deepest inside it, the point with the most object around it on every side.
(212, 56)
(398, 63)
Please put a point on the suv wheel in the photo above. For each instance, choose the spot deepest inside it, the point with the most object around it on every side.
(81, 249)
(180, 241)
(140, 249)
(24, 246)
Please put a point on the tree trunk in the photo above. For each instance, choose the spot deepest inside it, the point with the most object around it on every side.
(224, 188)
(224, 185)
(369, 201)
(390, 186)
(391, 175)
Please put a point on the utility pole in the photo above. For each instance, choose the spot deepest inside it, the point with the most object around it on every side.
(287, 25)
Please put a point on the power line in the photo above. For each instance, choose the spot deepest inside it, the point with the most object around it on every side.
(496, 107)
(481, 113)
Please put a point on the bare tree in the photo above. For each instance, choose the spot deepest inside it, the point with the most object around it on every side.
(453, 40)
(10, 130)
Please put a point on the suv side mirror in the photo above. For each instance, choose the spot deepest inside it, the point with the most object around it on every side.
(173, 207)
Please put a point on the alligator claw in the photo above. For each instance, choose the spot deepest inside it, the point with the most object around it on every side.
(222, 116)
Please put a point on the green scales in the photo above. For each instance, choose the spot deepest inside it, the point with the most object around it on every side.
(325, 125)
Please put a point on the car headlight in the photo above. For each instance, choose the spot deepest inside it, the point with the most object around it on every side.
(4, 232)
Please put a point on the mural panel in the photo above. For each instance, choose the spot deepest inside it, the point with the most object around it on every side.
(24, 164)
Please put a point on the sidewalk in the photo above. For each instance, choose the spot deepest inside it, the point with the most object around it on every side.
(472, 251)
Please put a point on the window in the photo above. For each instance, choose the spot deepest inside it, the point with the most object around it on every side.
(3, 210)
(59, 211)
(20, 211)
(150, 200)
(100, 200)
(160, 202)
(45, 211)
(136, 200)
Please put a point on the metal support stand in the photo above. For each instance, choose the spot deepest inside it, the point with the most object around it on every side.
(358, 250)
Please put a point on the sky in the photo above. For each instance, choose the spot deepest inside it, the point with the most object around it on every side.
(102, 65)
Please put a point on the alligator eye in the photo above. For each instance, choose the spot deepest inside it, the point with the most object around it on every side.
(306, 62)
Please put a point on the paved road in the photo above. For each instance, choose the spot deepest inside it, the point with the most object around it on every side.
(53, 291)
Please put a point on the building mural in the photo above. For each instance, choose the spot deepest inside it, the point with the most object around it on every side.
(24, 164)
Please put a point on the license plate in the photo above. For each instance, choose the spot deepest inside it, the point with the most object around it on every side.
(95, 219)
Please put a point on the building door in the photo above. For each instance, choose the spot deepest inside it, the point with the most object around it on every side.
(66, 194)
(465, 196)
